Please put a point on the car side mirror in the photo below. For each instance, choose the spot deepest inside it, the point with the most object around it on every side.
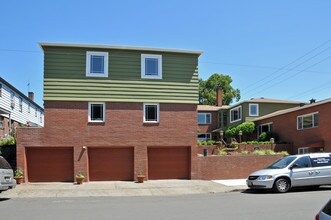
(294, 166)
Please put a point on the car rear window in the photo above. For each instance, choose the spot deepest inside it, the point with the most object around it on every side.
(321, 161)
(327, 208)
(4, 164)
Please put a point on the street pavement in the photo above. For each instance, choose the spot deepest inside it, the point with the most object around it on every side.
(124, 188)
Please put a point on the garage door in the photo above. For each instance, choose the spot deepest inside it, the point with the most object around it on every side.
(169, 163)
(49, 164)
(109, 164)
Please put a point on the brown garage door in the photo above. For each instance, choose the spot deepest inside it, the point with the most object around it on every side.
(50, 164)
(109, 164)
(169, 163)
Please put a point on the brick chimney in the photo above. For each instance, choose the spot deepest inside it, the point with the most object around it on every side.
(31, 96)
(219, 97)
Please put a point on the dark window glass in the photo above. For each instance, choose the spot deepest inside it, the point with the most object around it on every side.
(97, 64)
(316, 120)
(151, 66)
(321, 161)
(303, 162)
(96, 112)
(150, 112)
(327, 208)
(225, 119)
(4, 164)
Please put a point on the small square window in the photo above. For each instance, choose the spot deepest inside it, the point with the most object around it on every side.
(96, 112)
(151, 112)
(253, 109)
(96, 64)
(151, 66)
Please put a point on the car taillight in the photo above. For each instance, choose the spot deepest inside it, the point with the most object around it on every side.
(317, 217)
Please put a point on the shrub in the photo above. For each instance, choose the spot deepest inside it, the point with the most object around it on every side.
(199, 143)
(252, 142)
(265, 136)
(269, 152)
(243, 142)
(234, 145)
(259, 152)
(246, 127)
(285, 153)
(19, 173)
(231, 132)
(204, 142)
(245, 152)
(210, 142)
(8, 141)
(222, 152)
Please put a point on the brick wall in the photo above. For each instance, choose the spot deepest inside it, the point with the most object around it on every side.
(286, 126)
(231, 167)
(66, 125)
(208, 128)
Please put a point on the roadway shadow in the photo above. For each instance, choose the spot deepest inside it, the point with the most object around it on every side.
(4, 199)
(294, 190)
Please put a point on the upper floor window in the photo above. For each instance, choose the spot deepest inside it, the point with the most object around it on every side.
(204, 118)
(151, 66)
(96, 64)
(235, 114)
(253, 109)
(41, 117)
(96, 111)
(12, 100)
(151, 112)
(307, 121)
(21, 104)
(0, 90)
(29, 108)
(35, 112)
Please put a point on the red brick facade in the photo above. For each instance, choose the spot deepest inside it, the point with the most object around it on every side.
(6, 130)
(208, 128)
(66, 125)
(286, 126)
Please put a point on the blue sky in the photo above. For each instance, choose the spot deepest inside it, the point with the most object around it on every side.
(256, 42)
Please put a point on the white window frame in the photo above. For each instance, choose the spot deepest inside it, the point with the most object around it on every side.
(158, 113)
(35, 113)
(304, 149)
(88, 64)
(154, 56)
(206, 134)
(302, 116)
(258, 127)
(205, 123)
(20, 104)
(104, 112)
(29, 105)
(240, 110)
(257, 109)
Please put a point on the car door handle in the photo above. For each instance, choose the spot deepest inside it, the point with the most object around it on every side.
(311, 172)
(317, 171)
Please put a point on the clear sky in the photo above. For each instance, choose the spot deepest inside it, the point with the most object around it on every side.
(275, 49)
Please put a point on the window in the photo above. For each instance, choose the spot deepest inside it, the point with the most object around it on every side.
(41, 117)
(96, 112)
(204, 118)
(235, 114)
(303, 150)
(225, 119)
(320, 161)
(96, 64)
(307, 121)
(1, 122)
(253, 109)
(0, 90)
(21, 104)
(35, 112)
(29, 108)
(204, 136)
(264, 128)
(303, 162)
(151, 112)
(151, 66)
(12, 100)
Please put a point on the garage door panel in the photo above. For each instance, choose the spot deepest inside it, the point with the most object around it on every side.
(169, 163)
(50, 164)
(110, 164)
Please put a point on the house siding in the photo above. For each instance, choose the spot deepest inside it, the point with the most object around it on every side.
(65, 77)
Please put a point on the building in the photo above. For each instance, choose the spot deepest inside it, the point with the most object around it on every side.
(213, 119)
(307, 126)
(112, 112)
(17, 109)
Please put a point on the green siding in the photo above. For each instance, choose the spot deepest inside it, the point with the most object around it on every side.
(65, 77)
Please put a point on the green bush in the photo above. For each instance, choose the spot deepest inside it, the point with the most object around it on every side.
(266, 136)
(243, 142)
(231, 132)
(234, 145)
(199, 143)
(210, 142)
(8, 141)
(285, 153)
(246, 127)
(222, 152)
(245, 152)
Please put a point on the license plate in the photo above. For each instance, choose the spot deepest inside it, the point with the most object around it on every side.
(250, 184)
(7, 178)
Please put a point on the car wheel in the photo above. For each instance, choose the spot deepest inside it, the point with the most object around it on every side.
(282, 185)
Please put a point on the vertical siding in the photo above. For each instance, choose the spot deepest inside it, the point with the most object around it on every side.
(21, 117)
(65, 77)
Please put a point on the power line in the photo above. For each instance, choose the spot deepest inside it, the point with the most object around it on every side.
(316, 88)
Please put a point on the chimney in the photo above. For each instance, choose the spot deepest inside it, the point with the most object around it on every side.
(312, 101)
(31, 96)
(219, 97)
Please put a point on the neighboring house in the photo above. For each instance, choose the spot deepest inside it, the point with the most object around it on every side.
(112, 112)
(17, 109)
(307, 127)
(221, 117)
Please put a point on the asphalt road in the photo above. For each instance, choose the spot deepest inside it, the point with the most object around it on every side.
(299, 204)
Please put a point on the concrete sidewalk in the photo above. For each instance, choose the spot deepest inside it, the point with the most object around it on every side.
(119, 188)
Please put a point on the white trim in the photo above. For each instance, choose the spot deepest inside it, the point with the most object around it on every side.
(157, 116)
(104, 112)
(303, 148)
(257, 109)
(302, 116)
(205, 118)
(258, 127)
(239, 119)
(205, 135)
(159, 59)
(88, 64)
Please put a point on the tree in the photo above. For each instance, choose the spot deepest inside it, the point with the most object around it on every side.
(207, 89)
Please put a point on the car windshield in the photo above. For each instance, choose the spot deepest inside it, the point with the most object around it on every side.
(4, 164)
(282, 163)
